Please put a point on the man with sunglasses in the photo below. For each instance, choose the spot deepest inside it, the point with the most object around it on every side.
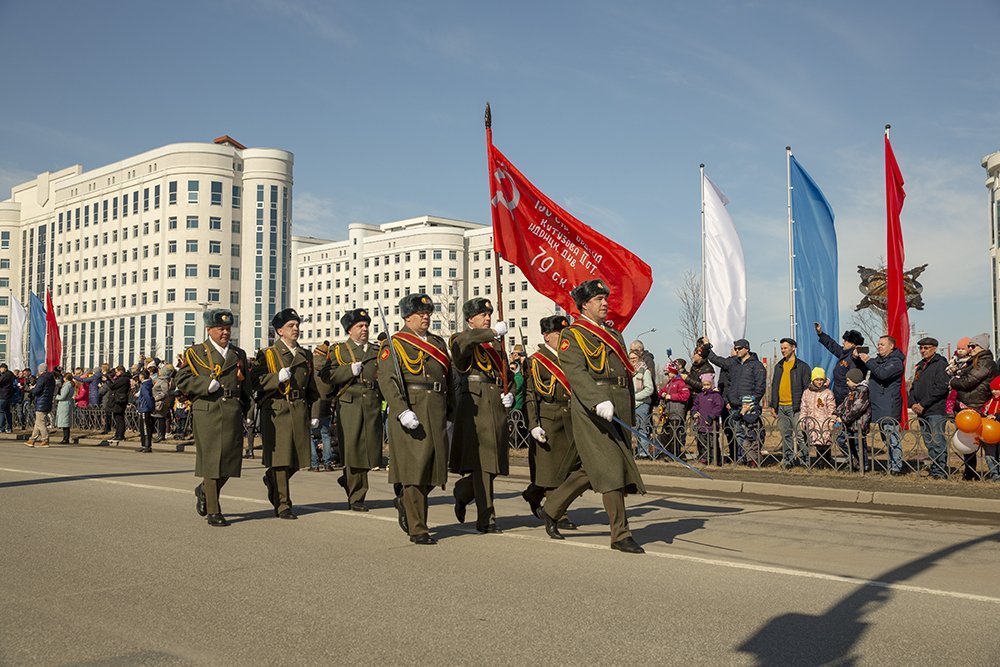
(746, 377)
(885, 384)
(928, 396)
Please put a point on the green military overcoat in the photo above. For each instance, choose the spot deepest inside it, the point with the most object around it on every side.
(595, 375)
(359, 403)
(548, 407)
(218, 416)
(285, 407)
(418, 457)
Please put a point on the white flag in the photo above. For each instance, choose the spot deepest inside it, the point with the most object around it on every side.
(18, 316)
(725, 274)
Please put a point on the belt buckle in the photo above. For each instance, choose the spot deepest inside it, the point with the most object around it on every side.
(621, 381)
(293, 395)
(436, 386)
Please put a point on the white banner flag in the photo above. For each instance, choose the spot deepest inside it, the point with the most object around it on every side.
(18, 316)
(725, 274)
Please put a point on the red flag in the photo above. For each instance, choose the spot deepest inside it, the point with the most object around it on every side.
(899, 317)
(53, 344)
(556, 251)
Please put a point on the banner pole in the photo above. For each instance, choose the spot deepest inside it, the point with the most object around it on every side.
(791, 245)
(704, 290)
(496, 253)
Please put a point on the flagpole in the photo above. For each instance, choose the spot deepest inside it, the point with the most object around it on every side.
(791, 245)
(704, 291)
(496, 255)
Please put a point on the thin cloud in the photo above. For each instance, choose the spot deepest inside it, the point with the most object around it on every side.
(311, 15)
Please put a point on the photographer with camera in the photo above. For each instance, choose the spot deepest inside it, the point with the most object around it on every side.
(847, 358)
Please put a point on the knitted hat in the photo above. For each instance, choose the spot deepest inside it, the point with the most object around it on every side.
(671, 368)
(710, 377)
(963, 342)
(748, 400)
(995, 383)
(982, 340)
(818, 373)
(856, 376)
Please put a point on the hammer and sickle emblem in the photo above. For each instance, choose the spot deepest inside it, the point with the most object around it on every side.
(500, 175)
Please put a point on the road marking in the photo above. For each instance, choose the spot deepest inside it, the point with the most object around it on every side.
(752, 567)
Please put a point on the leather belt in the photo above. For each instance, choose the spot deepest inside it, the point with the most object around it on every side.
(620, 381)
(438, 387)
(552, 401)
(230, 393)
(482, 378)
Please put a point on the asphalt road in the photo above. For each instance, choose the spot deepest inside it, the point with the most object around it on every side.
(105, 562)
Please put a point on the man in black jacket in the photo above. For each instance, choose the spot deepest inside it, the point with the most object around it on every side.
(746, 377)
(119, 389)
(789, 379)
(43, 394)
(7, 381)
(847, 358)
(927, 398)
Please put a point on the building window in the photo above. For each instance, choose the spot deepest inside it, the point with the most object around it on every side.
(190, 294)
(156, 196)
(236, 196)
(214, 271)
(4, 240)
(171, 270)
(191, 246)
(436, 255)
(216, 195)
(190, 270)
(192, 192)
(192, 222)
(215, 223)
(422, 255)
(145, 199)
(214, 247)
(236, 226)
(436, 271)
(213, 295)
(172, 192)
(453, 273)
(171, 247)
(171, 294)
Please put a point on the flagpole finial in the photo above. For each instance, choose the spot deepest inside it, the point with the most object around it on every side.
(788, 148)
(701, 166)
(887, 126)
(489, 116)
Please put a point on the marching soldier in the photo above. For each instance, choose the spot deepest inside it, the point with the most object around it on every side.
(480, 444)
(286, 390)
(595, 361)
(413, 374)
(552, 452)
(353, 367)
(216, 376)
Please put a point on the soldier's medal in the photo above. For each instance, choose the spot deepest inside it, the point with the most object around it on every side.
(564, 345)
(385, 353)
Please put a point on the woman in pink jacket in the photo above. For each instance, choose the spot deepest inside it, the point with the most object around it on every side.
(816, 418)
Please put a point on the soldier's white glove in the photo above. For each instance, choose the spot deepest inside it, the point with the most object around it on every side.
(214, 386)
(605, 410)
(408, 418)
(538, 433)
(356, 368)
(507, 399)
(315, 423)
(285, 374)
(500, 328)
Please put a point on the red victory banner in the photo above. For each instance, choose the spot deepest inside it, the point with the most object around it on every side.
(554, 250)
(899, 317)
(53, 344)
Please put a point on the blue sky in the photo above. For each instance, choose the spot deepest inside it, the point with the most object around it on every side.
(608, 107)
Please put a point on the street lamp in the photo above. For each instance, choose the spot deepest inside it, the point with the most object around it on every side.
(653, 330)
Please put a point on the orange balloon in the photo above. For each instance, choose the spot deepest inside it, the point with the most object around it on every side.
(968, 421)
(989, 432)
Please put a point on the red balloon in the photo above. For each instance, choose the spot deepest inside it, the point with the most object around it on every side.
(989, 432)
(968, 421)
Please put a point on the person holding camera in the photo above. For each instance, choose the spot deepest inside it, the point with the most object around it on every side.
(847, 358)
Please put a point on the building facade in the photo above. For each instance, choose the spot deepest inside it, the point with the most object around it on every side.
(135, 251)
(451, 260)
(992, 165)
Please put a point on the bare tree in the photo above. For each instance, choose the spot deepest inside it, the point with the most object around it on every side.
(873, 323)
(692, 304)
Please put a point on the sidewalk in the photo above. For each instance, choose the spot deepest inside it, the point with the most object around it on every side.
(910, 491)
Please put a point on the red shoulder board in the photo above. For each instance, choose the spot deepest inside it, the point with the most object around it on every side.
(564, 345)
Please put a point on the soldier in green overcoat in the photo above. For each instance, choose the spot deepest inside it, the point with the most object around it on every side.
(286, 389)
(352, 367)
(595, 360)
(414, 376)
(552, 451)
(216, 377)
(480, 445)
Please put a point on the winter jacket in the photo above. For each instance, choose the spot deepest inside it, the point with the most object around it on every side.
(930, 386)
(885, 385)
(82, 395)
(7, 382)
(816, 416)
(800, 373)
(745, 377)
(647, 358)
(64, 406)
(119, 391)
(708, 406)
(676, 393)
(845, 362)
(163, 392)
(145, 402)
(855, 410)
(643, 384)
(972, 381)
(44, 392)
(699, 368)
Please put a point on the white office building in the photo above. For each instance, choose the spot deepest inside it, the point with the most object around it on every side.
(451, 260)
(135, 251)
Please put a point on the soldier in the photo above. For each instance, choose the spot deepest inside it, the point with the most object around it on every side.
(216, 377)
(594, 358)
(480, 446)
(286, 389)
(353, 367)
(552, 453)
(413, 375)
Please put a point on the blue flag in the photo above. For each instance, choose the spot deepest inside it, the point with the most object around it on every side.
(815, 268)
(36, 333)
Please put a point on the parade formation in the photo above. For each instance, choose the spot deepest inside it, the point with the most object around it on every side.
(443, 406)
